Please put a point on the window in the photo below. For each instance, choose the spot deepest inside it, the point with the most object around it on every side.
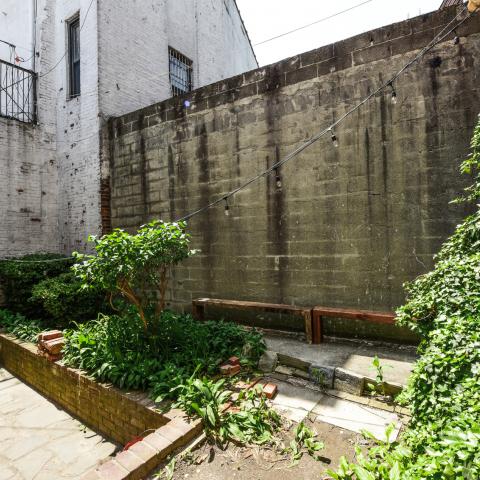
(180, 72)
(74, 57)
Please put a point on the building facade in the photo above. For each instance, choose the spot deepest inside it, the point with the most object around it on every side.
(94, 60)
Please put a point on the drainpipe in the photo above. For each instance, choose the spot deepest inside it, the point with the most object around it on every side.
(473, 5)
(35, 35)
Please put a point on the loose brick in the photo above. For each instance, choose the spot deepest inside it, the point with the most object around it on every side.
(234, 361)
(270, 390)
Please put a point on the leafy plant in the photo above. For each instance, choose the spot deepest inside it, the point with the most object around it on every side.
(136, 266)
(304, 440)
(251, 422)
(19, 326)
(442, 441)
(19, 275)
(116, 348)
(379, 385)
(65, 301)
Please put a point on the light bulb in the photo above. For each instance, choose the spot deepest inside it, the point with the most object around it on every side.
(394, 97)
(278, 181)
(334, 140)
(227, 210)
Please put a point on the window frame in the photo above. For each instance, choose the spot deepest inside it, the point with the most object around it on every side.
(74, 83)
(179, 84)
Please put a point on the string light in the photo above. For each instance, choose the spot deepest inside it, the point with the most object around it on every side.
(444, 33)
(394, 94)
(227, 208)
(334, 138)
(278, 179)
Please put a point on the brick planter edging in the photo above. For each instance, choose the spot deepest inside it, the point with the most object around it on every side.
(116, 414)
(142, 457)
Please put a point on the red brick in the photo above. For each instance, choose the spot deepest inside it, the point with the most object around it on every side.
(50, 335)
(270, 390)
(112, 471)
(159, 443)
(234, 361)
(54, 346)
(143, 450)
(229, 370)
(129, 460)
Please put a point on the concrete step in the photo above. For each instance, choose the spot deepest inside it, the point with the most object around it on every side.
(342, 365)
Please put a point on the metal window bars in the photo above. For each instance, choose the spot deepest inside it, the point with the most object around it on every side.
(17, 93)
(180, 68)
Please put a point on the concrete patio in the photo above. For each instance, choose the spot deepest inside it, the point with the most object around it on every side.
(41, 441)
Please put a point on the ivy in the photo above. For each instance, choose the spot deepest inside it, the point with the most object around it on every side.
(442, 441)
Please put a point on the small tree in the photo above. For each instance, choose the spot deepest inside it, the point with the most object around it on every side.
(136, 266)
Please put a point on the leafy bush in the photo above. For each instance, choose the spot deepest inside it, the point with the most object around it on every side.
(252, 422)
(17, 325)
(117, 349)
(136, 266)
(19, 275)
(443, 439)
(65, 301)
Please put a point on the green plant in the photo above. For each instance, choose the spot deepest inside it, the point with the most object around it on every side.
(379, 385)
(204, 398)
(116, 348)
(136, 266)
(19, 275)
(443, 437)
(64, 299)
(304, 440)
(19, 326)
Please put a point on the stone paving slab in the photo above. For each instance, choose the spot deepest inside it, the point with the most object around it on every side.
(40, 441)
(297, 402)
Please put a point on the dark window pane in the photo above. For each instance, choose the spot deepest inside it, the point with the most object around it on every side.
(180, 72)
(74, 57)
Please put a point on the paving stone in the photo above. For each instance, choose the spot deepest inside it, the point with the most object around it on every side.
(268, 362)
(41, 441)
(294, 402)
(355, 417)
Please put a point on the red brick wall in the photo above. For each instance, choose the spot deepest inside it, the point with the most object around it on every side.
(115, 414)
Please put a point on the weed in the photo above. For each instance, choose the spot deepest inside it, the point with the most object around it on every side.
(304, 440)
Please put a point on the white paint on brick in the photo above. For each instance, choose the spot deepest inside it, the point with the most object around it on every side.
(124, 66)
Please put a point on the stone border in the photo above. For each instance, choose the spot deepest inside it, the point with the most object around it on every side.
(116, 414)
(283, 367)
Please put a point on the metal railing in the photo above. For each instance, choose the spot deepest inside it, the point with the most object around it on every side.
(17, 93)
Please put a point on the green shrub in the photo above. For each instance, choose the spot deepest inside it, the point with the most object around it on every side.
(19, 326)
(65, 301)
(19, 275)
(117, 349)
(442, 441)
(136, 266)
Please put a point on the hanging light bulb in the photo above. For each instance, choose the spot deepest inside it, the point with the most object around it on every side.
(334, 139)
(227, 208)
(278, 179)
(394, 94)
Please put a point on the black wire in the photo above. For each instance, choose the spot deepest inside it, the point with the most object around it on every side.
(436, 40)
(313, 23)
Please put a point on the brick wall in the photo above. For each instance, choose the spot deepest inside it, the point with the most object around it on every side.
(349, 225)
(116, 414)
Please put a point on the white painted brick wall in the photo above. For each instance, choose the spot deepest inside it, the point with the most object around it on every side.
(124, 66)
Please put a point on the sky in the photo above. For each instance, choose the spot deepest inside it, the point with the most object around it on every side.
(267, 18)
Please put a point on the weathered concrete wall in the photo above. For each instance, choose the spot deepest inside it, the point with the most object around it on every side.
(349, 225)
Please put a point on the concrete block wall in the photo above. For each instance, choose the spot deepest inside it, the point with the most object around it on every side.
(349, 225)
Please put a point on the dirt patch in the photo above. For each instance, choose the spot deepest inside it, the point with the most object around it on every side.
(209, 462)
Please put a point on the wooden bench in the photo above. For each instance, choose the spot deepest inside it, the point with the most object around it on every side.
(319, 312)
(199, 305)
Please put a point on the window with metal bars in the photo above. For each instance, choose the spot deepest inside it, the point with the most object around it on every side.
(74, 57)
(180, 68)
